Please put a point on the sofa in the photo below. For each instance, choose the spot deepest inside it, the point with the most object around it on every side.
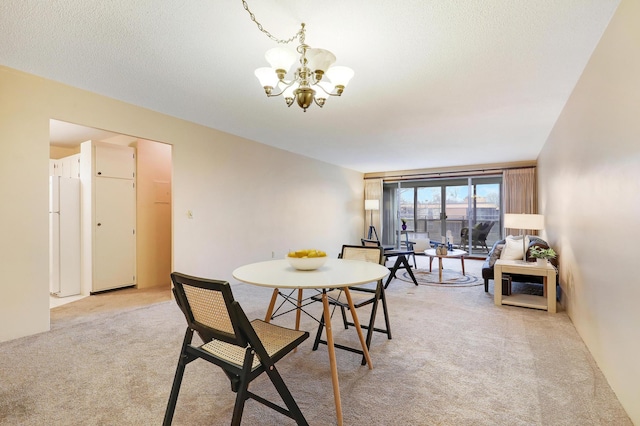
(496, 251)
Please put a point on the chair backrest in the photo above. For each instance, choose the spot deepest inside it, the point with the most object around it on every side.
(366, 253)
(370, 243)
(209, 308)
(406, 244)
(484, 231)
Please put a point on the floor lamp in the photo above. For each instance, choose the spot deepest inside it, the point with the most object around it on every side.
(523, 221)
(371, 205)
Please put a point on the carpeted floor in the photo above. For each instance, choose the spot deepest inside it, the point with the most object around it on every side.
(455, 359)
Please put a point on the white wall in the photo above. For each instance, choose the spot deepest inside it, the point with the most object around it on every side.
(248, 200)
(589, 181)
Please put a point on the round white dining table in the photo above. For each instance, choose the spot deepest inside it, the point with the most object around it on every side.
(335, 273)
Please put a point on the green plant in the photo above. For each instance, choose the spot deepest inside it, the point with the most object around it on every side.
(542, 253)
(404, 221)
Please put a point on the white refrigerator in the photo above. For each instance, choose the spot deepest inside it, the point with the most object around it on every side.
(64, 236)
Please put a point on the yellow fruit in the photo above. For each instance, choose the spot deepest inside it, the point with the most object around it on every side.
(307, 253)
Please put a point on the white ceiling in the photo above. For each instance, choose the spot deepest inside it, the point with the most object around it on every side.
(437, 82)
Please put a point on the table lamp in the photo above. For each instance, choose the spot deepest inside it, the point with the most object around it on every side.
(524, 221)
(371, 205)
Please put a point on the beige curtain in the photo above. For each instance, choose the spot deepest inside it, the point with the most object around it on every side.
(373, 191)
(520, 194)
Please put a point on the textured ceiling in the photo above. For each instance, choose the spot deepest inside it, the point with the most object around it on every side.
(437, 83)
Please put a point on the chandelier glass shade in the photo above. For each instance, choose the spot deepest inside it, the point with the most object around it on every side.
(314, 79)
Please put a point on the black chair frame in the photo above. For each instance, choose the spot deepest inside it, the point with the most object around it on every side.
(378, 296)
(243, 336)
(401, 261)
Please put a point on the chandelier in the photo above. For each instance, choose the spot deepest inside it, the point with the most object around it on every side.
(314, 79)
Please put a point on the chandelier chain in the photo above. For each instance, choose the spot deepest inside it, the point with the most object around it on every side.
(298, 35)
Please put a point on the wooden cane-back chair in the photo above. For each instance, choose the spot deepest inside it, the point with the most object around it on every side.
(361, 296)
(243, 349)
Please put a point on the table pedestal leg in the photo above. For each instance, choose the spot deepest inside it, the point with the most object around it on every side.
(440, 268)
(332, 357)
(272, 304)
(462, 261)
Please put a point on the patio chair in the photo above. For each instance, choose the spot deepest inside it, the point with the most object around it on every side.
(244, 350)
(361, 296)
(479, 235)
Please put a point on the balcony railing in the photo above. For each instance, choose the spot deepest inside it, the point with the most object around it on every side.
(432, 228)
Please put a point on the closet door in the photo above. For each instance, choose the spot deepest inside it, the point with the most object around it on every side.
(114, 234)
(114, 161)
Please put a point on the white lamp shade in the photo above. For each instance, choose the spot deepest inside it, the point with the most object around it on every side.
(372, 204)
(319, 59)
(533, 222)
(267, 77)
(340, 76)
(280, 59)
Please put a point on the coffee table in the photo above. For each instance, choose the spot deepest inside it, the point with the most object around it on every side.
(451, 253)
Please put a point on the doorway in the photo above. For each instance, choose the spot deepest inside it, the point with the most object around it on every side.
(153, 199)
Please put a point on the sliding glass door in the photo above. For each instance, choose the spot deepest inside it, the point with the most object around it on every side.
(444, 210)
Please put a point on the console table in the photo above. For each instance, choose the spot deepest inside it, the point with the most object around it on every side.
(548, 272)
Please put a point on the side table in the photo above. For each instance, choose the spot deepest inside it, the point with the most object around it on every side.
(548, 272)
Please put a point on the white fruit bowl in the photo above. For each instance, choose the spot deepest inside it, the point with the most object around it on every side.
(306, 263)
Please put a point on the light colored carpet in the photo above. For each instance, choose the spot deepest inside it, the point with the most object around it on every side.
(455, 359)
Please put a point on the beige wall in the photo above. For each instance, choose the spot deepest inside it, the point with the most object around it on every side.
(589, 178)
(248, 200)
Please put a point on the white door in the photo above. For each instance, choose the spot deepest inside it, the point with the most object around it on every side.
(114, 234)
(54, 252)
(114, 161)
(71, 166)
(55, 167)
(69, 241)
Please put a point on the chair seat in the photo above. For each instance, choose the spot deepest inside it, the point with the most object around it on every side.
(273, 337)
(360, 296)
